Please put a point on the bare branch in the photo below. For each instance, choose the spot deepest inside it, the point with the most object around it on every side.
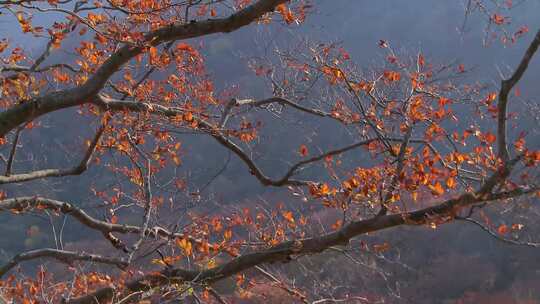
(77, 170)
(282, 101)
(23, 204)
(282, 285)
(13, 151)
(147, 195)
(495, 235)
(18, 68)
(506, 87)
(399, 168)
(64, 256)
(344, 300)
(216, 295)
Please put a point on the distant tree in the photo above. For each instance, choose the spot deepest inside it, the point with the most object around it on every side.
(433, 150)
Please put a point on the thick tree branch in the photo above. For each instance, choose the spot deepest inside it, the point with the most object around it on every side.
(64, 256)
(506, 87)
(31, 109)
(77, 170)
(284, 252)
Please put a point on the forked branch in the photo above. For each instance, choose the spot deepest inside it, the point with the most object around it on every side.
(76, 170)
(35, 107)
(506, 87)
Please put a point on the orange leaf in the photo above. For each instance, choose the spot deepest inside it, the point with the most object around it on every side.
(3, 45)
(185, 245)
(380, 248)
(285, 13)
(227, 234)
(519, 144)
(490, 137)
(324, 190)
(451, 183)
(288, 215)
(337, 225)
(176, 160)
(436, 189)
(391, 76)
(503, 229)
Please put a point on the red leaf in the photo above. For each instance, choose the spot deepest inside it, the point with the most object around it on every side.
(498, 19)
(303, 150)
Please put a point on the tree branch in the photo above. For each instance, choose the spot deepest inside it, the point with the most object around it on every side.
(285, 251)
(23, 204)
(121, 105)
(13, 151)
(35, 107)
(496, 236)
(64, 256)
(506, 87)
(77, 170)
(282, 101)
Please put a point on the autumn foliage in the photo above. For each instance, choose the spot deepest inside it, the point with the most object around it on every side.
(428, 147)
